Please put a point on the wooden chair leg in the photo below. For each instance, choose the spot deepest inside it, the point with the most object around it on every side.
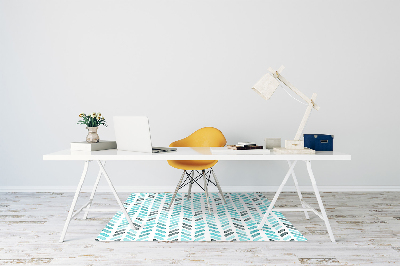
(176, 190)
(190, 184)
(218, 186)
(206, 190)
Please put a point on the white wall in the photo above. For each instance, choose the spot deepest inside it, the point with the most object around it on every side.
(190, 64)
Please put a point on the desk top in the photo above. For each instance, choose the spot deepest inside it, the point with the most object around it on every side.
(186, 153)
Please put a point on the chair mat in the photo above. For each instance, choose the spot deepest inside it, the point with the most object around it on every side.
(189, 220)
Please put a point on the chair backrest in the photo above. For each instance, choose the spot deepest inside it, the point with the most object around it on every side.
(204, 137)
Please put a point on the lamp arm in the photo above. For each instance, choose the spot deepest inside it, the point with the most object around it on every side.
(311, 102)
(293, 88)
(305, 117)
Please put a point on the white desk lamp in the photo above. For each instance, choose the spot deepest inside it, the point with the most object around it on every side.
(266, 86)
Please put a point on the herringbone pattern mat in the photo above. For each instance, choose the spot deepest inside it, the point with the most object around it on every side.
(189, 220)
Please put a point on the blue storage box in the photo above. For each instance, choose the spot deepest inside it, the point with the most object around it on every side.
(318, 142)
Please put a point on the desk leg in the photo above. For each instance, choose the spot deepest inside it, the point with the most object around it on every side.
(321, 205)
(93, 192)
(299, 192)
(71, 210)
(277, 195)
(116, 195)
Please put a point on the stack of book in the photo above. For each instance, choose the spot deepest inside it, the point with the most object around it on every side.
(98, 146)
(240, 148)
(245, 146)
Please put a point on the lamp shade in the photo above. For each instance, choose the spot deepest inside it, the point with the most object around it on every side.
(266, 86)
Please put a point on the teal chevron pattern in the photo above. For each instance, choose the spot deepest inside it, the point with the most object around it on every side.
(189, 220)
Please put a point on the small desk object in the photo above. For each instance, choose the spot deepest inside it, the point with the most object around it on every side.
(204, 153)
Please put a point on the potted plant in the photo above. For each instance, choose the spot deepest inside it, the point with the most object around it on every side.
(92, 123)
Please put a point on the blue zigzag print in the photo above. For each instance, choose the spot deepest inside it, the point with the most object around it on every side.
(189, 220)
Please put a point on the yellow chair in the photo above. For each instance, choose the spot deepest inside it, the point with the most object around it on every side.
(204, 137)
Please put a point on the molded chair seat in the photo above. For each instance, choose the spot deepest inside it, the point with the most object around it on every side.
(191, 164)
(204, 137)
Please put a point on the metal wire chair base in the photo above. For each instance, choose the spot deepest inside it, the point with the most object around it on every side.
(193, 180)
(189, 178)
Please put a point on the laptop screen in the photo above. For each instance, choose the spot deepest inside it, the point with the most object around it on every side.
(132, 133)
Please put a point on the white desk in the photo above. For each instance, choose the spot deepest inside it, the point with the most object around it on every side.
(194, 154)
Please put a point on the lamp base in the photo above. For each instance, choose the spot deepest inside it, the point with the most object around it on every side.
(294, 144)
(293, 151)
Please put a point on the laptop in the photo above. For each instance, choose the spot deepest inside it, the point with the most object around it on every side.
(133, 134)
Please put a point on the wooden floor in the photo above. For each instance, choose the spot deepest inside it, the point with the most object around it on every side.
(366, 226)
